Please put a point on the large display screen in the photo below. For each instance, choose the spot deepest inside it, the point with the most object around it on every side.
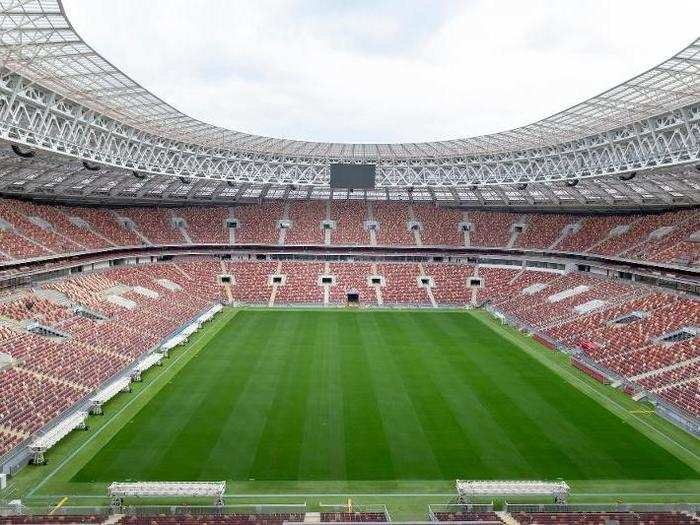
(355, 176)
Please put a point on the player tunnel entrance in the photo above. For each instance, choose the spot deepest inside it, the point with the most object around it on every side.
(353, 296)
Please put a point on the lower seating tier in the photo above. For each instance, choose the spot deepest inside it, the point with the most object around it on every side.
(646, 335)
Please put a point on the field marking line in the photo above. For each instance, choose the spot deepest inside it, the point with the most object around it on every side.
(115, 415)
(642, 412)
(59, 505)
(394, 495)
(431, 494)
(583, 386)
(621, 408)
(554, 366)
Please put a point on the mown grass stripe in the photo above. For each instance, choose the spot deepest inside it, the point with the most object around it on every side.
(152, 387)
(413, 383)
(598, 392)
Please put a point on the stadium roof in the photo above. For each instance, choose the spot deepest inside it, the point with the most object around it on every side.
(74, 127)
(52, 177)
(38, 42)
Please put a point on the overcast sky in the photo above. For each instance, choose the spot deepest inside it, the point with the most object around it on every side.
(371, 71)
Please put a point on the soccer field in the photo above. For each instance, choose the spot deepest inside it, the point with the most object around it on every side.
(373, 395)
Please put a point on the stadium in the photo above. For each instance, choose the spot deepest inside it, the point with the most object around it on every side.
(200, 325)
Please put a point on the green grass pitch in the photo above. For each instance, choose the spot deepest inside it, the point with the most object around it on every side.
(384, 395)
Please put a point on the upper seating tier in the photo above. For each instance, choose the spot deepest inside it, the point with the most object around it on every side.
(29, 230)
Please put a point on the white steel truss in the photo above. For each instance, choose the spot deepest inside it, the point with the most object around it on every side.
(58, 95)
(56, 177)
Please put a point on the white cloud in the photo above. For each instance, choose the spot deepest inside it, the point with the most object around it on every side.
(363, 71)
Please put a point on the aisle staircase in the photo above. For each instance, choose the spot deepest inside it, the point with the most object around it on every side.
(515, 233)
(275, 286)
(227, 286)
(428, 289)
(79, 222)
(372, 233)
(467, 233)
(506, 518)
(231, 231)
(377, 287)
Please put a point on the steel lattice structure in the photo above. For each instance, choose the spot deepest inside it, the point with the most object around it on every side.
(61, 98)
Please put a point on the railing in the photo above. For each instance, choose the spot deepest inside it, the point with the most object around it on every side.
(352, 508)
(45, 510)
(433, 508)
(154, 510)
(30, 270)
(170, 510)
(603, 507)
(685, 420)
